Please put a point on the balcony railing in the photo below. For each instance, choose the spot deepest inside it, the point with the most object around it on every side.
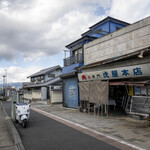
(73, 60)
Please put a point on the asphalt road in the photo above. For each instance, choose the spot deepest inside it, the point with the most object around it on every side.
(43, 133)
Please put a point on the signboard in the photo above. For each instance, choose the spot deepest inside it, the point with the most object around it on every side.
(72, 91)
(117, 73)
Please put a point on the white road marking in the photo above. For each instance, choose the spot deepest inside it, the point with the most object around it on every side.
(83, 127)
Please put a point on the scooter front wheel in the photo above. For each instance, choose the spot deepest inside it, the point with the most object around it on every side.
(16, 120)
(24, 123)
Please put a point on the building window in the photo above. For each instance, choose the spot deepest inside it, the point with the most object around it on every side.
(35, 79)
(77, 51)
(51, 75)
(32, 79)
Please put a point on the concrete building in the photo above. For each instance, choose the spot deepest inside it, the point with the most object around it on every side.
(76, 58)
(121, 60)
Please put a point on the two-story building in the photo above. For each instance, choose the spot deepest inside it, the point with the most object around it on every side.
(116, 70)
(45, 85)
(76, 58)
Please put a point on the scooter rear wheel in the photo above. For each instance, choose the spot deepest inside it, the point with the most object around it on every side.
(24, 123)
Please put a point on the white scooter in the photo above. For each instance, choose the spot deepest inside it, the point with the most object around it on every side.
(23, 113)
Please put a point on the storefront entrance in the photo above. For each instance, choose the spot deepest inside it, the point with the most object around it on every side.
(118, 99)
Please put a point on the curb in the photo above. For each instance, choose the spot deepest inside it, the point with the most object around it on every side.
(13, 131)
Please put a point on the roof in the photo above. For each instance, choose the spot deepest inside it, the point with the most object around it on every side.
(68, 75)
(82, 39)
(85, 34)
(109, 19)
(44, 71)
(50, 82)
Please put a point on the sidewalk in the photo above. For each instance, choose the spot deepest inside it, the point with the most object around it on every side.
(6, 142)
(9, 137)
(121, 128)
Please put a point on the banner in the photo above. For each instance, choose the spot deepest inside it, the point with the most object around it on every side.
(117, 73)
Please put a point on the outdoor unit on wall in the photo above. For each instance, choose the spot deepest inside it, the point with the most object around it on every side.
(32, 80)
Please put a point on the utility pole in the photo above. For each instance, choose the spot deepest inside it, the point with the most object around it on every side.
(4, 76)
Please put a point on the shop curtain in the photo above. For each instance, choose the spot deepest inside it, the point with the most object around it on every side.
(103, 89)
(94, 92)
(84, 91)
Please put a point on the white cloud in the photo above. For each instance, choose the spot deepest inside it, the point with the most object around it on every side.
(18, 74)
(44, 27)
(33, 29)
(129, 11)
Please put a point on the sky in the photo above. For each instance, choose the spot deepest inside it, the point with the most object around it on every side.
(33, 33)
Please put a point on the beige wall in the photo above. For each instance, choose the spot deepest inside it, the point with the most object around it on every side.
(28, 95)
(32, 95)
(56, 96)
(36, 94)
(124, 41)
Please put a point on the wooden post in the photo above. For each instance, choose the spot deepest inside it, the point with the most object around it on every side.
(101, 109)
(105, 110)
(88, 108)
(98, 109)
(94, 109)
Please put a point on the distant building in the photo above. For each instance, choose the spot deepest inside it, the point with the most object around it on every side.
(45, 85)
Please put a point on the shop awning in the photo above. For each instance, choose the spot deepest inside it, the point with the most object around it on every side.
(68, 75)
(131, 83)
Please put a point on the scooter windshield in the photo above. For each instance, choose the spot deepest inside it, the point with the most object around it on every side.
(20, 104)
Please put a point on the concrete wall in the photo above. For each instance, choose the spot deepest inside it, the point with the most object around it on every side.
(56, 96)
(36, 95)
(28, 95)
(32, 95)
(126, 40)
(118, 64)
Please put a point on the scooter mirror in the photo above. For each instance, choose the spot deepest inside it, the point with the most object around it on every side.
(14, 102)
